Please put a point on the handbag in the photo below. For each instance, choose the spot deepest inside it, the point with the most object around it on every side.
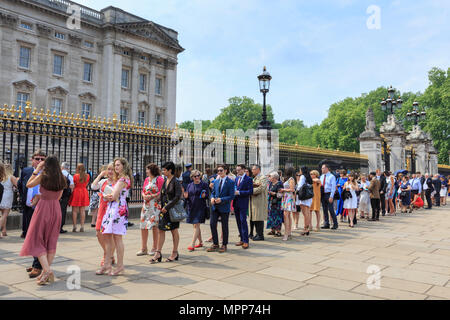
(178, 212)
(306, 192)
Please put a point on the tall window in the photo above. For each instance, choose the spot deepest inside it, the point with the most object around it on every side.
(143, 82)
(123, 115)
(158, 86)
(22, 99)
(57, 106)
(87, 75)
(86, 109)
(141, 118)
(58, 65)
(158, 120)
(25, 55)
(125, 78)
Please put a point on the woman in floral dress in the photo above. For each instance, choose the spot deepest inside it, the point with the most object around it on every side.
(288, 203)
(275, 218)
(150, 213)
(115, 221)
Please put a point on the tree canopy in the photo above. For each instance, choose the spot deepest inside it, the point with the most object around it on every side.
(346, 118)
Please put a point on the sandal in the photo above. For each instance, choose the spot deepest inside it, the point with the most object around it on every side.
(142, 253)
(191, 249)
(153, 260)
(200, 245)
(271, 233)
(117, 272)
(103, 270)
(172, 260)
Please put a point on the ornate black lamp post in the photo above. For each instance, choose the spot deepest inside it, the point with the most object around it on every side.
(264, 87)
(390, 104)
(416, 115)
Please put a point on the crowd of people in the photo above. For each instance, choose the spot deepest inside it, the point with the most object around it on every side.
(47, 188)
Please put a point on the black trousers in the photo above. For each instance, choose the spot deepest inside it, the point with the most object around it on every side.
(328, 207)
(36, 264)
(215, 214)
(63, 203)
(428, 196)
(27, 215)
(437, 199)
(375, 208)
(259, 226)
(383, 203)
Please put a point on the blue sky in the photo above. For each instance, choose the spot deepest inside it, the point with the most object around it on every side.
(318, 52)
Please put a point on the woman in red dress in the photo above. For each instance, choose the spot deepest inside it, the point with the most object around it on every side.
(43, 233)
(80, 197)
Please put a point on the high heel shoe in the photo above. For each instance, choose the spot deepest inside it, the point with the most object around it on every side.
(170, 260)
(117, 272)
(305, 233)
(103, 270)
(153, 260)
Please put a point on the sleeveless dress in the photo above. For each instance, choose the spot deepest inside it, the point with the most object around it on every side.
(351, 203)
(288, 203)
(315, 206)
(80, 195)
(115, 220)
(8, 194)
(364, 200)
(43, 233)
(150, 212)
(340, 203)
(103, 205)
(303, 202)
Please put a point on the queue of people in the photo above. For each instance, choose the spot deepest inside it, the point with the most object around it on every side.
(47, 188)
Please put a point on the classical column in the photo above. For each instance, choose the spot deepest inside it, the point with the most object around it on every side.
(171, 94)
(152, 97)
(417, 139)
(134, 87)
(267, 151)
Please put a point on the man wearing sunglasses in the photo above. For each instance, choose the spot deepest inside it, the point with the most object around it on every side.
(221, 197)
(26, 196)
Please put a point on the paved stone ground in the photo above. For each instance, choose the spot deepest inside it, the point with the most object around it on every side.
(412, 251)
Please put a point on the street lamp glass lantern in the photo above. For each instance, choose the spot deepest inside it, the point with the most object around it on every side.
(264, 81)
(383, 105)
(391, 92)
(399, 103)
(389, 103)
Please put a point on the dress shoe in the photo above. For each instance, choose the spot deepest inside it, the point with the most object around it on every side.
(325, 227)
(334, 227)
(245, 246)
(223, 249)
(130, 224)
(258, 238)
(371, 219)
(35, 273)
(23, 235)
(213, 248)
(63, 231)
(29, 269)
(250, 236)
(239, 244)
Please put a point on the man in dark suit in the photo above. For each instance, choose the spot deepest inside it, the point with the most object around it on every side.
(27, 209)
(383, 185)
(186, 176)
(437, 187)
(244, 189)
(221, 197)
(428, 187)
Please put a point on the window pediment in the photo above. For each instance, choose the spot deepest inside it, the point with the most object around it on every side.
(24, 85)
(58, 90)
(87, 96)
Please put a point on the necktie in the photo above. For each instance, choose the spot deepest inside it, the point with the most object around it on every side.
(221, 184)
(239, 181)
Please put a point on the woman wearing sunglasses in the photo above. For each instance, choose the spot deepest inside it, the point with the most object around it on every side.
(196, 195)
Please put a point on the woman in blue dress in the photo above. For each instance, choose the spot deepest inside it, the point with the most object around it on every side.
(196, 195)
(275, 217)
(405, 196)
(340, 188)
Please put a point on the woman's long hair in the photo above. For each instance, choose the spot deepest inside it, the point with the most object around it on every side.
(290, 173)
(127, 172)
(353, 182)
(81, 170)
(305, 172)
(2, 172)
(52, 177)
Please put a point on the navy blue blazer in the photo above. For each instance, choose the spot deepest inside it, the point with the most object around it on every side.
(245, 189)
(25, 175)
(226, 195)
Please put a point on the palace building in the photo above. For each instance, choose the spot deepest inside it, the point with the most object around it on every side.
(108, 62)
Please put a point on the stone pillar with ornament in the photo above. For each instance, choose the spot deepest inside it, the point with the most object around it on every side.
(370, 143)
(418, 140)
(395, 136)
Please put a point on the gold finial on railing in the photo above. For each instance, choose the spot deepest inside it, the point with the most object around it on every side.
(13, 111)
(19, 116)
(28, 109)
(66, 117)
(114, 120)
(41, 114)
(47, 115)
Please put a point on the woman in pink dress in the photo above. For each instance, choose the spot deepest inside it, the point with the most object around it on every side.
(115, 221)
(43, 233)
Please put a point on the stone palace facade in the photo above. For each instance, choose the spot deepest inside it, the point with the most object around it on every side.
(112, 62)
